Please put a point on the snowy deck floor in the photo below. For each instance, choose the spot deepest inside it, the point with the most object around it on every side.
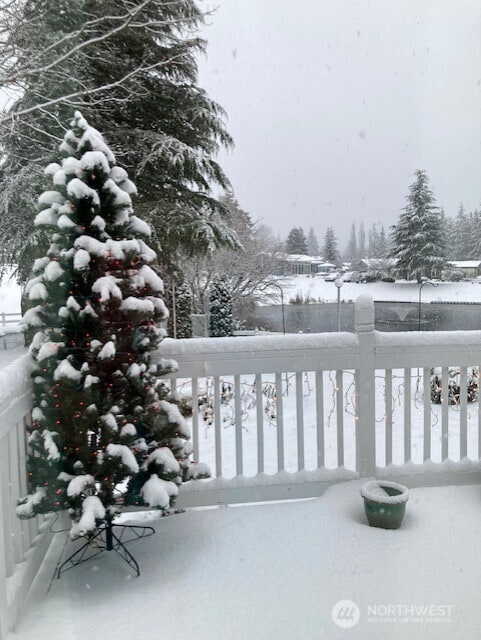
(274, 571)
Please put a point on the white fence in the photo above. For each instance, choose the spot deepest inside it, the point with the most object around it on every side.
(9, 319)
(342, 406)
(23, 544)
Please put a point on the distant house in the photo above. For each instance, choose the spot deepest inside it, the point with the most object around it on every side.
(299, 264)
(380, 266)
(470, 268)
(325, 267)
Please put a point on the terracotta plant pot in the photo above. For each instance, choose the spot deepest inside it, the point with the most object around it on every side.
(384, 503)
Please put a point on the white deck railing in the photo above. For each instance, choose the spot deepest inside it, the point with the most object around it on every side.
(23, 544)
(285, 416)
(280, 417)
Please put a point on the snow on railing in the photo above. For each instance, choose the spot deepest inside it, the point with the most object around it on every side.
(284, 416)
(23, 544)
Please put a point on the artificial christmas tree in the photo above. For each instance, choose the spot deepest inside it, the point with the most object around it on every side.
(102, 418)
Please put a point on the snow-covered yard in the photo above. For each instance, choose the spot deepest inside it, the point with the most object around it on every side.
(276, 571)
(400, 291)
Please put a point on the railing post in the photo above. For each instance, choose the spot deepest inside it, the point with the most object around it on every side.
(365, 387)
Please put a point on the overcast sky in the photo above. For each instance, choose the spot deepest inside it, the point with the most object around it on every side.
(333, 104)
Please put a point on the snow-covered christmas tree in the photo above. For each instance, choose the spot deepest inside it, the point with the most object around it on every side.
(104, 432)
(221, 323)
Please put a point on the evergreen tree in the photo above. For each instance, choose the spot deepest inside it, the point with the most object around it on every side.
(329, 250)
(131, 67)
(362, 242)
(474, 247)
(373, 242)
(383, 243)
(313, 248)
(352, 251)
(180, 318)
(466, 235)
(296, 242)
(101, 415)
(418, 242)
(221, 323)
(377, 242)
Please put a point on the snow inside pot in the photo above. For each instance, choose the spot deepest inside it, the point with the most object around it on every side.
(384, 503)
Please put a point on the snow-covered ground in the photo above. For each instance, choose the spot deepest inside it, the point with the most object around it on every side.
(10, 294)
(276, 571)
(400, 291)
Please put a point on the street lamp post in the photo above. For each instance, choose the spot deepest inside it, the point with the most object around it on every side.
(338, 282)
(419, 302)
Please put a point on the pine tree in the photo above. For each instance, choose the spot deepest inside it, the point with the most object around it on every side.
(457, 240)
(313, 248)
(383, 243)
(474, 246)
(362, 242)
(329, 250)
(221, 323)
(377, 242)
(101, 415)
(352, 251)
(132, 68)
(296, 242)
(418, 242)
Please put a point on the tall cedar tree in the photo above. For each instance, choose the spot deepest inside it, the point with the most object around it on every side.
(163, 126)
(418, 240)
(296, 241)
(101, 415)
(220, 310)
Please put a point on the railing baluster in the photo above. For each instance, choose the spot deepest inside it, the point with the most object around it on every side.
(463, 414)
(4, 334)
(300, 421)
(388, 416)
(320, 419)
(22, 470)
(279, 423)
(427, 413)
(444, 413)
(260, 424)
(479, 411)
(407, 415)
(217, 428)
(15, 493)
(238, 426)
(6, 502)
(195, 417)
(340, 418)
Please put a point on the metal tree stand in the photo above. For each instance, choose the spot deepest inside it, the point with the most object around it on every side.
(106, 539)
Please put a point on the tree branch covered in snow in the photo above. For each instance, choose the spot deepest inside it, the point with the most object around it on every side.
(131, 65)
